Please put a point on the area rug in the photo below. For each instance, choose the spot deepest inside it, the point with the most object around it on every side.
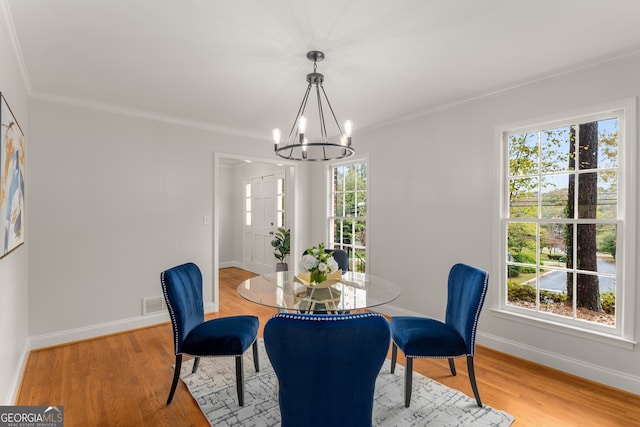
(213, 386)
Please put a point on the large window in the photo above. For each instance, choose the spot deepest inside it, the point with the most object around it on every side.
(348, 217)
(565, 199)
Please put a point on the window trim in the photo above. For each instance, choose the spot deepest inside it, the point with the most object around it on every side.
(624, 333)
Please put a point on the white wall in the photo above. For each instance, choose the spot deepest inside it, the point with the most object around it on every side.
(114, 200)
(13, 267)
(432, 203)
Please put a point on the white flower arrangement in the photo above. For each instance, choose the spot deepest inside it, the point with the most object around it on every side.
(318, 263)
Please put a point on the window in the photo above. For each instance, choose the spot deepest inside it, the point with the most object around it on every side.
(565, 199)
(348, 217)
(247, 203)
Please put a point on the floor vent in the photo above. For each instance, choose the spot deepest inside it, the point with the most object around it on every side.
(153, 305)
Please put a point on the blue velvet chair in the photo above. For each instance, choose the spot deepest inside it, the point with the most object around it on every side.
(326, 366)
(424, 337)
(192, 335)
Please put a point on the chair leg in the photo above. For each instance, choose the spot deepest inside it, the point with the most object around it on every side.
(176, 377)
(196, 363)
(239, 380)
(472, 378)
(394, 356)
(256, 361)
(408, 380)
(452, 366)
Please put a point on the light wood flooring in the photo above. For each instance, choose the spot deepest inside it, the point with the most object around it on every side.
(124, 379)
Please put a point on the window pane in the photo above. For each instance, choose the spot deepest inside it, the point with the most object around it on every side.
(607, 240)
(521, 238)
(247, 204)
(337, 231)
(587, 195)
(590, 302)
(553, 292)
(555, 147)
(280, 186)
(523, 200)
(608, 143)
(587, 258)
(555, 195)
(247, 218)
(247, 190)
(521, 291)
(607, 195)
(552, 244)
(523, 154)
(359, 233)
(361, 203)
(280, 203)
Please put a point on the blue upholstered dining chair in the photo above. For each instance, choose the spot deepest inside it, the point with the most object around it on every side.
(326, 366)
(456, 336)
(192, 335)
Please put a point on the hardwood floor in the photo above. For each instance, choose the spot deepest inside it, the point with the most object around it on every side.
(124, 380)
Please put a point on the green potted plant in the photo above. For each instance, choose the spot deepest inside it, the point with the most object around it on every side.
(282, 247)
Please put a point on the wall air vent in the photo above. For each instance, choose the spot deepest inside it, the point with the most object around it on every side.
(153, 305)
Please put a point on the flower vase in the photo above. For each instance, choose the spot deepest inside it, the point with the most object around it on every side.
(317, 276)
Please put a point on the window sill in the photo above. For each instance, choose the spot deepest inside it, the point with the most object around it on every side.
(573, 331)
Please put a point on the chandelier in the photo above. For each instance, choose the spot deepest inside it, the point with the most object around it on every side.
(297, 146)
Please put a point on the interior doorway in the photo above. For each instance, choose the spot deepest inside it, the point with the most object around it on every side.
(244, 222)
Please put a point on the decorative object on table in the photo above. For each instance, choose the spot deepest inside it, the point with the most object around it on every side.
(224, 336)
(318, 263)
(297, 145)
(12, 160)
(353, 364)
(282, 248)
(319, 271)
(455, 337)
(434, 404)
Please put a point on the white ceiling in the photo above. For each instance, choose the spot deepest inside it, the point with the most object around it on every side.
(240, 66)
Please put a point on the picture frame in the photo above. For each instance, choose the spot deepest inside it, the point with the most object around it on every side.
(12, 178)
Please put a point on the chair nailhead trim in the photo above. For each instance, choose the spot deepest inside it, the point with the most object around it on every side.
(331, 318)
(172, 313)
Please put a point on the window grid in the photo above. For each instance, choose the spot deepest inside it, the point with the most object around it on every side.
(536, 176)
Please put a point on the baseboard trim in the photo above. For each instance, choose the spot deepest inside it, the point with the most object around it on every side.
(610, 377)
(12, 395)
(93, 331)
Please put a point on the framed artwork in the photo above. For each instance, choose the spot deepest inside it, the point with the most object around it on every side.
(11, 181)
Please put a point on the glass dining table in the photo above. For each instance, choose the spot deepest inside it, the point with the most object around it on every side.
(355, 291)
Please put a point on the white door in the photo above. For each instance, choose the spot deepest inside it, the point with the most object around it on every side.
(260, 224)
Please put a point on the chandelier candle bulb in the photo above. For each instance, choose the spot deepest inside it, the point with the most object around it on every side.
(276, 137)
(302, 128)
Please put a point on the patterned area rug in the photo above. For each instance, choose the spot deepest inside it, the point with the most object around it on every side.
(214, 388)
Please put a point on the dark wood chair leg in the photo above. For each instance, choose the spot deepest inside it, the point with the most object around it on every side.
(472, 378)
(394, 356)
(176, 377)
(196, 363)
(452, 366)
(256, 361)
(239, 380)
(408, 380)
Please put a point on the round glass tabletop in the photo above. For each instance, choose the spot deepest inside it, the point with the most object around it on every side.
(354, 292)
